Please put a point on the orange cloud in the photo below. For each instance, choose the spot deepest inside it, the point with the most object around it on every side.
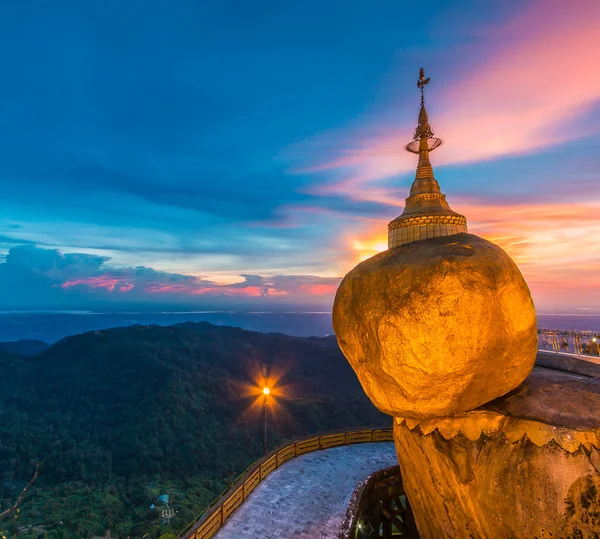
(556, 246)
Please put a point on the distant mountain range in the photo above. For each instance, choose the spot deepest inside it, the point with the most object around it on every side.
(52, 326)
(119, 416)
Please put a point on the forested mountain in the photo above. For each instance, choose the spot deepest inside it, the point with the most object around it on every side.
(117, 417)
(25, 347)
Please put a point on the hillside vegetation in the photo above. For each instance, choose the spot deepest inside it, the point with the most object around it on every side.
(117, 417)
(25, 347)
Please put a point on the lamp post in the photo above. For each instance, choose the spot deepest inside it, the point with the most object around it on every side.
(266, 392)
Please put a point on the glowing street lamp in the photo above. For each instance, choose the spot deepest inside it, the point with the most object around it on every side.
(266, 393)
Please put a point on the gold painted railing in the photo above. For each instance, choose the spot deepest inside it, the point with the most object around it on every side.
(218, 513)
(581, 343)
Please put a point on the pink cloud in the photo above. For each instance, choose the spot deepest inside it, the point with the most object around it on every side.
(71, 277)
(320, 289)
(107, 283)
(143, 282)
(283, 286)
(537, 81)
(539, 76)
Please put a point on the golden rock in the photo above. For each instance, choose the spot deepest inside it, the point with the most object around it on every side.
(436, 327)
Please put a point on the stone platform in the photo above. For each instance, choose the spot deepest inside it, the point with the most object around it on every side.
(583, 365)
(524, 465)
(307, 497)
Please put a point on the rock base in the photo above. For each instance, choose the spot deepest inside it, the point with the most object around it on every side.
(526, 465)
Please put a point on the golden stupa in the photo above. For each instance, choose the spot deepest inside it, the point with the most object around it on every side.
(443, 321)
(426, 214)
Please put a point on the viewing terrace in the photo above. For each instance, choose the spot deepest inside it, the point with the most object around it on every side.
(313, 487)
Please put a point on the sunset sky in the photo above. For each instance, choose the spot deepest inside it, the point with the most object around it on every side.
(246, 155)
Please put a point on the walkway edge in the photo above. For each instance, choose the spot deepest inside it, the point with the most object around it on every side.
(219, 512)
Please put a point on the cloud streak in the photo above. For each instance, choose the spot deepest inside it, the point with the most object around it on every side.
(37, 277)
(528, 85)
(555, 245)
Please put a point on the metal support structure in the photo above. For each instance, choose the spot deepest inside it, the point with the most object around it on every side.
(265, 407)
(380, 508)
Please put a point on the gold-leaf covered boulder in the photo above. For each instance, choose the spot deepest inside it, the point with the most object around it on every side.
(437, 327)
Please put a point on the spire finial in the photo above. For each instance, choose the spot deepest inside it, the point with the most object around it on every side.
(423, 130)
(421, 84)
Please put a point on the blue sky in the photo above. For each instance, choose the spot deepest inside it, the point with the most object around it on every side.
(250, 153)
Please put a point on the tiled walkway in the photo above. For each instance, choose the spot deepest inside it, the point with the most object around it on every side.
(308, 496)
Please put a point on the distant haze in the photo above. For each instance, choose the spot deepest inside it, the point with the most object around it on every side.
(50, 327)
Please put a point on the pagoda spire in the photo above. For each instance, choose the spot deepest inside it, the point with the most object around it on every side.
(426, 214)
